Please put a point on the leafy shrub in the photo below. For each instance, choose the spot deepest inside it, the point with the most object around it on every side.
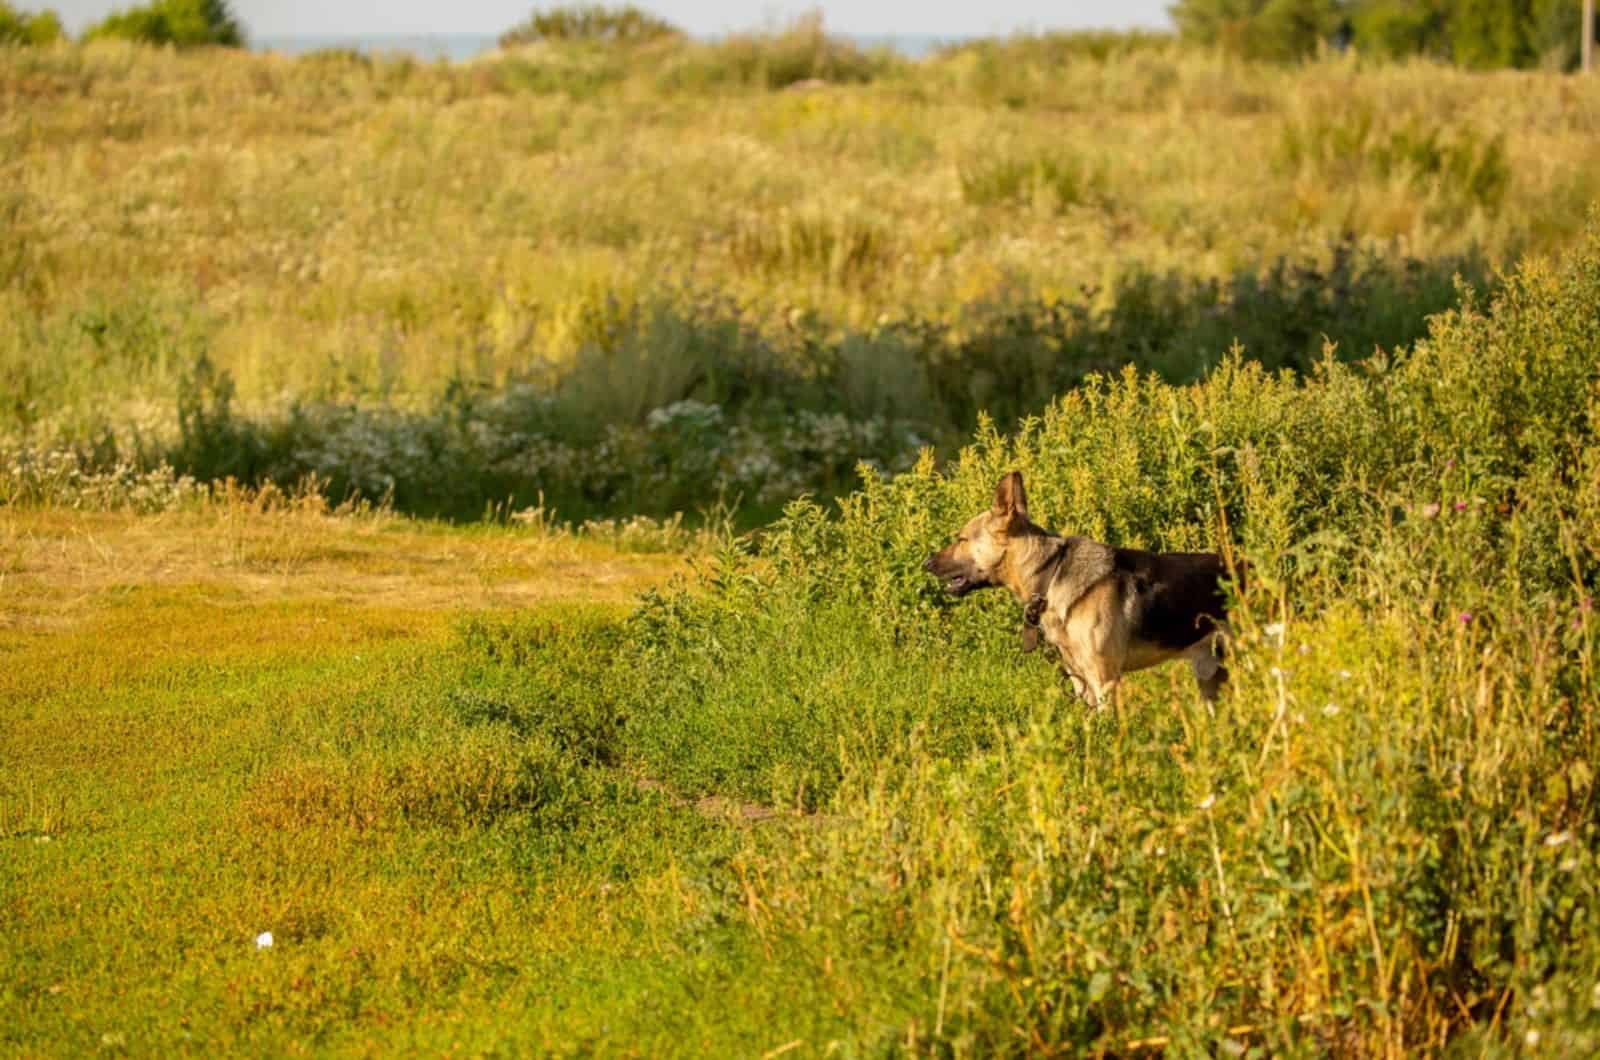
(1398, 777)
(182, 23)
(804, 52)
(589, 22)
(22, 28)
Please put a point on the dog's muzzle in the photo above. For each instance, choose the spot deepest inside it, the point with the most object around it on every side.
(955, 583)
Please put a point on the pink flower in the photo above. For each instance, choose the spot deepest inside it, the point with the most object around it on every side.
(1461, 506)
(1466, 617)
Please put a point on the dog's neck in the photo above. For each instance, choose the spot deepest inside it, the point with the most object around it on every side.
(1039, 554)
(1054, 567)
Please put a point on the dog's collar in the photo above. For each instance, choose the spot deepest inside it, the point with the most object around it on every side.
(1033, 612)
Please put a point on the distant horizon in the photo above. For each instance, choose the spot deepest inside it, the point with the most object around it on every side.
(282, 19)
(462, 46)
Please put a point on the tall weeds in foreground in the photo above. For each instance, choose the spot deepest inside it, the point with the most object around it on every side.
(1383, 839)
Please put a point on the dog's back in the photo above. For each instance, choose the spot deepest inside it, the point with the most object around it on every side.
(1177, 597)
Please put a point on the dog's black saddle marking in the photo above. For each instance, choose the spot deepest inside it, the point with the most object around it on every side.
(1178, 595)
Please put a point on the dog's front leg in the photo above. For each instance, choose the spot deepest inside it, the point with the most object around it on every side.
(1094, 688)
(1080, 687)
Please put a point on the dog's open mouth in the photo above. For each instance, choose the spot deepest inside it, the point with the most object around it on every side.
(958, 585)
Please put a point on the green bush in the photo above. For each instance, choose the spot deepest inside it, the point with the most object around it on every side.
(589, 22)
(181, 23)
(804, 52)
(22, 28)
(1398, 779)
(1481, 34)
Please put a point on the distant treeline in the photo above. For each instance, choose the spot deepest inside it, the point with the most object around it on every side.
(182, 23)
(1472, 33)
(1480, 34)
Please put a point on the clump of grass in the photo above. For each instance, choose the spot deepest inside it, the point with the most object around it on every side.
(1050, 181)
(1459, 165)
(477, 779)
(843, 250)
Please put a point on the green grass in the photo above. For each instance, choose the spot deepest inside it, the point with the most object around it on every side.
(624, 786)
(805, 800)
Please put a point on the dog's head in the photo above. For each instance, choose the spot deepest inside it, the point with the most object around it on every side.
(976, 558)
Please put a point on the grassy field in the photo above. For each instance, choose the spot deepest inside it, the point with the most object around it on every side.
(521, 784)
(801, 801)
(643, 278)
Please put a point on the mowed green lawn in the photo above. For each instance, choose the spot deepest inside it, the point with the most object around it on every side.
(197, 748)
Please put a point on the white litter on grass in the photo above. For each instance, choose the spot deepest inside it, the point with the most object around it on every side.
(264, 941)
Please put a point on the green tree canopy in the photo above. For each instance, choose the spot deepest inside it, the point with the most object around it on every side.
(621, 25)
(182, 23)
(20, 27)
(1475, 33)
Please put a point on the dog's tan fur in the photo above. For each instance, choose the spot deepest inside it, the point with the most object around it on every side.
(1107, 611)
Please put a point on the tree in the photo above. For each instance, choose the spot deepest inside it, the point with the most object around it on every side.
(19, 27)
(181, 23)
(1259, 29)
(1481, 34)
(620, 25)
(1394, 29)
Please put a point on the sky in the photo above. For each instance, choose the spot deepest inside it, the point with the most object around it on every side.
(281, 18)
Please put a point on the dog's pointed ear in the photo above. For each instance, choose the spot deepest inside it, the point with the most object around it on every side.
(1010, 499)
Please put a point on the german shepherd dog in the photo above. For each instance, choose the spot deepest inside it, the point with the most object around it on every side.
(1106, 610)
